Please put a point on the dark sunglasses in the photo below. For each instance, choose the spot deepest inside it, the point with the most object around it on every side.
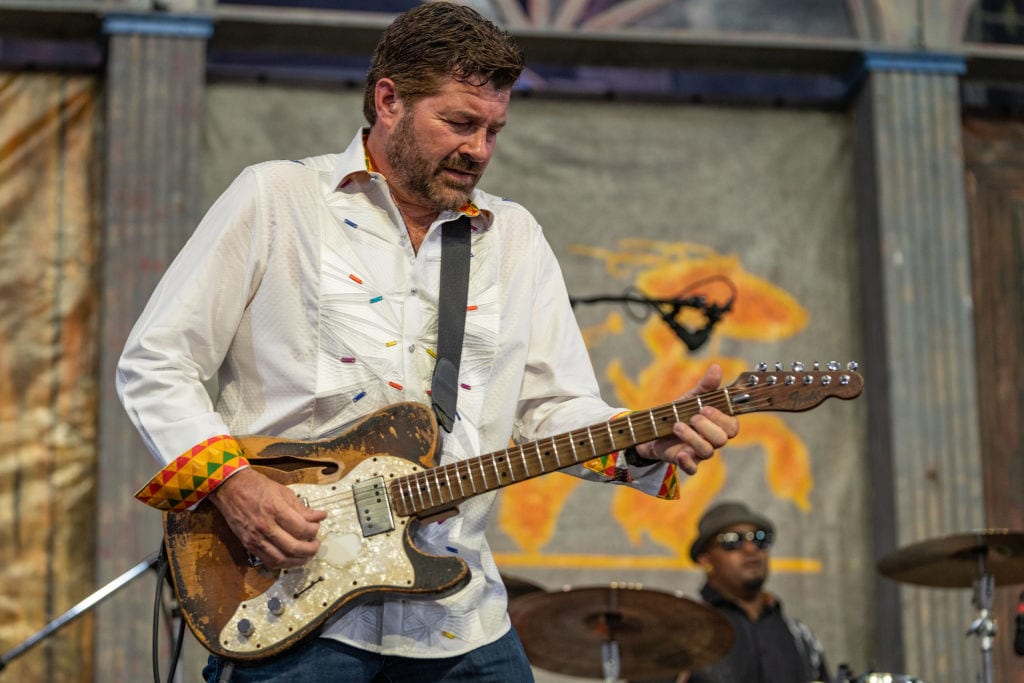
(733, 540)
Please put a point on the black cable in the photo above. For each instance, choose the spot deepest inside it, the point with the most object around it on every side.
(160, 610)
(176, 655)
(161, 574)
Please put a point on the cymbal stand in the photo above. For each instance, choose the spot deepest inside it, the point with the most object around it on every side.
(611, 663)
(984, 626)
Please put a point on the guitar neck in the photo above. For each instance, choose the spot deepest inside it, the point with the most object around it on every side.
(447, 485)
(442, 488)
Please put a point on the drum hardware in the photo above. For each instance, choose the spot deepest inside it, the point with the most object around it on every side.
(977, 559)
(619, 630)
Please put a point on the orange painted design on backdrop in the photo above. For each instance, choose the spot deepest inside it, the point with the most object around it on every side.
(787, 462)
(529, 511)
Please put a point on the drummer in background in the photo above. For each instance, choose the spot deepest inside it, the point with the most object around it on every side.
(732, 547)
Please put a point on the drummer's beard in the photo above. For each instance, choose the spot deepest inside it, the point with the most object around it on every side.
(754, 585)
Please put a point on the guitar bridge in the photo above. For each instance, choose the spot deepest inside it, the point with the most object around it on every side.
(373, 506)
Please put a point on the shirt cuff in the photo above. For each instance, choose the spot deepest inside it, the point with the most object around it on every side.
(193, 475)
(614, 468)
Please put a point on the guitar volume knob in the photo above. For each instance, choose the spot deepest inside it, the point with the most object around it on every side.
(275, 606)
(246, 628)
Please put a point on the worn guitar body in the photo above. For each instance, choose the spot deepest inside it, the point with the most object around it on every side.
(241, 611)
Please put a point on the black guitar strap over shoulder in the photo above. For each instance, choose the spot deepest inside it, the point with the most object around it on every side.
(451, 318)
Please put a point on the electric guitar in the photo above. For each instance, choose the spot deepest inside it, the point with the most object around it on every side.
(377, 482)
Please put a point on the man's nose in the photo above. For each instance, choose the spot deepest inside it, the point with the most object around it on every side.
(477, 145)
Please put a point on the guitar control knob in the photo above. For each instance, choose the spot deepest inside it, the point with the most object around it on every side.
(275, 606)
(246, 628)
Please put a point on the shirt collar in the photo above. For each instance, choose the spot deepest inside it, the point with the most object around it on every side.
(716, 599)
(355, 162)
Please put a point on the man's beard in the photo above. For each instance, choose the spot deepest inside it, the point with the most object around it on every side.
(754, 584)
(413, 173)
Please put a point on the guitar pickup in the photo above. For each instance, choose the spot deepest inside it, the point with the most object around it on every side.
(373, 506)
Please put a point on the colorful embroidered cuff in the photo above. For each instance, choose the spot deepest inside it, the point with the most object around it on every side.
(193, 475)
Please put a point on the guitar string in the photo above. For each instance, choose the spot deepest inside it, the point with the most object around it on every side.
(418, 480)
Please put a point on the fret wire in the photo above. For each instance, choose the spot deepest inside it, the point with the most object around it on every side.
(522, 458)
(448, 483)
(483, 474)
(422, 479)
(554, 447)
(590, 439)
(437, 486)
(419, 490)
(654, 424)
(407, 498)
(458, 478)
(728, 399)
(558, 460)
(540, 457)
(572, 444)
(497, 472)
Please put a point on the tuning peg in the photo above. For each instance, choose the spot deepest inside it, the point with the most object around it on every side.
(798, 366)
(816, 366)
(852, 366)
(762, 366)
(778, 366)
(833, 365)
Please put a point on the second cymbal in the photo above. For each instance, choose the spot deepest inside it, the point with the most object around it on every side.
(955, 561)
(658, 633)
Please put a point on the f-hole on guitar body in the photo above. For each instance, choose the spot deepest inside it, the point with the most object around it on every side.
(377, 482)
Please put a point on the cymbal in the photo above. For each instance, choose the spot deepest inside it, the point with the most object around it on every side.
(658, 633)
(516, 587)
(953, 561)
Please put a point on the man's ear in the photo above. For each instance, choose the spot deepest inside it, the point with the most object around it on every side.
(386, 100)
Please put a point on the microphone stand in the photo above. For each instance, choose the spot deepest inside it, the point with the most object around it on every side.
(82, 607)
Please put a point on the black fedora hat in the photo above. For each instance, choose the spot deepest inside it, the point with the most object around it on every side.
(722, 516)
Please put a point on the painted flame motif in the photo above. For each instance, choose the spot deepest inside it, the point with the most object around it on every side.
(529, 512)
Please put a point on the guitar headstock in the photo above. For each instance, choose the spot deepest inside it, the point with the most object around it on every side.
(795, 389)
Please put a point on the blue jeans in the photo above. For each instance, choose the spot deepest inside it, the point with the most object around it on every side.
(324, 660)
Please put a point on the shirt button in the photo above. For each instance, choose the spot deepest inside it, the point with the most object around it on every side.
(412, 347)
(413, 291)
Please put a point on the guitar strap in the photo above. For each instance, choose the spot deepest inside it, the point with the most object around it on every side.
(451, 319)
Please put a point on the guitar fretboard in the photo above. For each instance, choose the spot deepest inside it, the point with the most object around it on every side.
(442, 487)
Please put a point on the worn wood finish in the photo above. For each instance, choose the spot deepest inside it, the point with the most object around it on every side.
(213, 575)
(994, 161)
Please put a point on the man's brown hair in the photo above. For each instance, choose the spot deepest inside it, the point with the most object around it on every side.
(440, 40)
